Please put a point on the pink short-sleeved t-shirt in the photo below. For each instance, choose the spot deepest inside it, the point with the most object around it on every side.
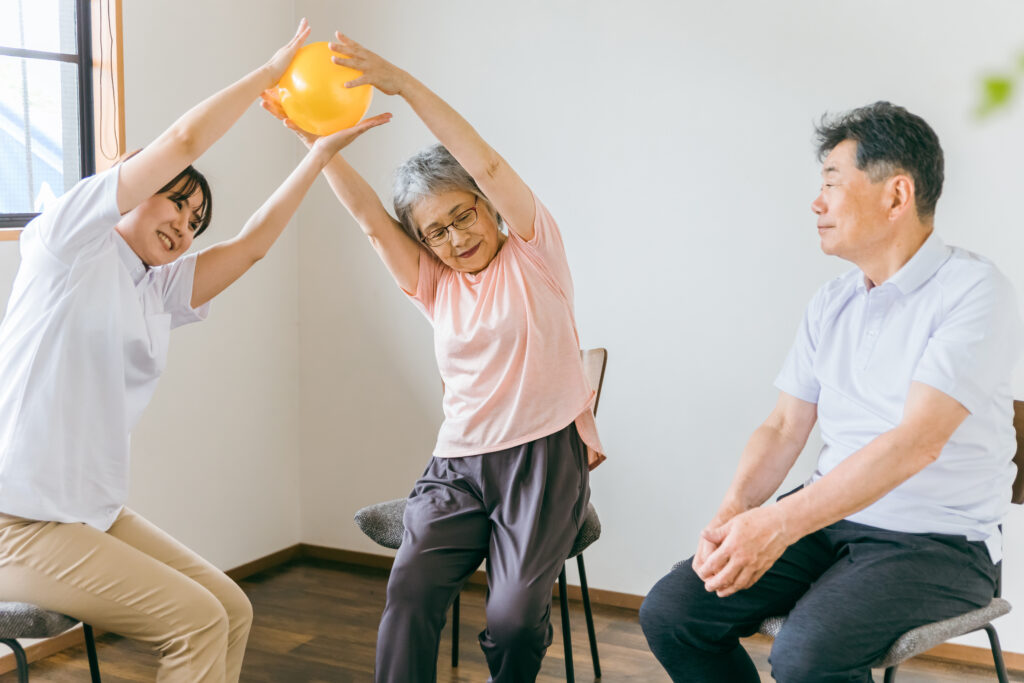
(507, 348)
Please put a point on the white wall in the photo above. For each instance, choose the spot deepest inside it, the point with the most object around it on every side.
(215, 455)
(672, 141)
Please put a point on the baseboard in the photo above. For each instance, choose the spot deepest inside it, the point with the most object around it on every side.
(43, 648)
(948, 652)
(976, 656)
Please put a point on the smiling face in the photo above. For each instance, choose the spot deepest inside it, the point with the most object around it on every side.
(469, 250)
(851, 209)
(161, 229)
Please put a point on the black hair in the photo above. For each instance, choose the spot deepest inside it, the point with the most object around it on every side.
(889, 140)
(183, 186)
(193, 180)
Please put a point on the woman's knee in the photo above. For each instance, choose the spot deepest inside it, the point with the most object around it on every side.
(238, 608)
(203, 623)
(515, 619)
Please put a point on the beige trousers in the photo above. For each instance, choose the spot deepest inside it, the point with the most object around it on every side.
(136, 581)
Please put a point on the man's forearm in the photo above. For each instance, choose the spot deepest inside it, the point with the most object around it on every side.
(857, 482)
(766, 460)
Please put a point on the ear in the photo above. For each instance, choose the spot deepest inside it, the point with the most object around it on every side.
(899, 196)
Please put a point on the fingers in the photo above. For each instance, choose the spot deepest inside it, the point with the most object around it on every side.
(714, 535)
(377, 120)
(362, 80)
(724, 579)
(301, 33)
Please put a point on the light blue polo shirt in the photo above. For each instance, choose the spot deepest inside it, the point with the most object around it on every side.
(948, 318)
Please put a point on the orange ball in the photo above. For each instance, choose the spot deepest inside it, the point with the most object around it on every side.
(313, 92)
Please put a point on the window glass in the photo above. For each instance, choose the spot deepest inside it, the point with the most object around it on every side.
(39, 132)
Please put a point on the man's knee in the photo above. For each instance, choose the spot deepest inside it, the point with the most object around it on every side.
(668, 606)
(808, 655)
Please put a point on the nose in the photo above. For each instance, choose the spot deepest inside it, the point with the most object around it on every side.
(818, 205)
(458, 237)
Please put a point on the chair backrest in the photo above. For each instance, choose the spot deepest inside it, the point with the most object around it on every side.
(1018, 458)
(594, 362)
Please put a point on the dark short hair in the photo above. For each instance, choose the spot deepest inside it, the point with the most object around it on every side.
(186, 184)
(889, 140)
(190, 180)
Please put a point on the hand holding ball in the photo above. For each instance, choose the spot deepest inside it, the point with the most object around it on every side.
(313, 93)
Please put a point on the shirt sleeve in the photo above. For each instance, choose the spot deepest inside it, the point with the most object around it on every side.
(82, 218)
(426, 284)
(797, 377)
(548, 247)
(174, 282)
(976, 344)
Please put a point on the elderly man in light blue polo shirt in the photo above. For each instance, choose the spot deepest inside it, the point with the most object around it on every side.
(905, 364)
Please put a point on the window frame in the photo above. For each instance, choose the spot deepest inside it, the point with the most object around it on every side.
(92, 68)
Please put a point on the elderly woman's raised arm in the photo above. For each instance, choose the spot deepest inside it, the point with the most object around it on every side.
(510, 195)
(399, 252)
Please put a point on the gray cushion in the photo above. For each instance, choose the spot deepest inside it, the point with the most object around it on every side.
(921, 638)
(22, 620)
(383, 523)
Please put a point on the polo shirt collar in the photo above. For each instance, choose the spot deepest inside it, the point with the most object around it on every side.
(132, 263)
(925, 262)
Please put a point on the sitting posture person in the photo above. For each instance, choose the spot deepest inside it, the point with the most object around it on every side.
(508, 480)
(101, 283)
(905, 363)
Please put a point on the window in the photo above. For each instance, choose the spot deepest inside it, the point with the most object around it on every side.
(60, 100)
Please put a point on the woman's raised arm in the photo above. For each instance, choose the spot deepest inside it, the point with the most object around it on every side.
(220, 265)
(399, 252)
(502, 185)
(192, 134)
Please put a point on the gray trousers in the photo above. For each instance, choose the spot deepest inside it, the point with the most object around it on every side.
(520, 509)
(849, 589)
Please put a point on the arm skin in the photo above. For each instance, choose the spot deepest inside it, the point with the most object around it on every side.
(749, 543)
(399, 252)
(143, 174)
(220, 265)
(500, 183)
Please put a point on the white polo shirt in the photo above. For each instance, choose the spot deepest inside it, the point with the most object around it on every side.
(949, 319)
(82, 345)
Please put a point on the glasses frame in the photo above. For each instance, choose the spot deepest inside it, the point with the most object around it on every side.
(451, 226)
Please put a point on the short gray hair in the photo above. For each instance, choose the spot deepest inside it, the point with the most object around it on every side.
(429, 172)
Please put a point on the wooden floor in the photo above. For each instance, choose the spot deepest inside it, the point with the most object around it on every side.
(316, 623)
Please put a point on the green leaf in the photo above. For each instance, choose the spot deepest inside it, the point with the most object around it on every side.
(997, 92)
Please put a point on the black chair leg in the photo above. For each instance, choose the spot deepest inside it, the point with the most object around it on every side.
(997, 653)
(890, 674)
(19, 658)
(589, 614)
(455, 632)
(563, 600)
(90, 649)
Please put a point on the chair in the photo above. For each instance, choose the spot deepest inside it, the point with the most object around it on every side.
(22, 620)
(383, 523)
(923, 638)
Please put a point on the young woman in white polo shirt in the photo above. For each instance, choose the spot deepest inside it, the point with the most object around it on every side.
(102, 282)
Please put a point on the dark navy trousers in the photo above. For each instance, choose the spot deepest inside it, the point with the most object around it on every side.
(519, 508)
(850, 591)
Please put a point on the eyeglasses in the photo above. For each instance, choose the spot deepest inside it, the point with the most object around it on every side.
(435, 237)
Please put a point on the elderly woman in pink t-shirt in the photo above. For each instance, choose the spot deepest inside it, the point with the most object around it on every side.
(508, 480)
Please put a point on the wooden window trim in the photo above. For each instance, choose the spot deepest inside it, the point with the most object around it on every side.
(107, 87)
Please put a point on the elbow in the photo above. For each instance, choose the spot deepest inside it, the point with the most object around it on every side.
(923, 448)
(490, 168)
(184, 140)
